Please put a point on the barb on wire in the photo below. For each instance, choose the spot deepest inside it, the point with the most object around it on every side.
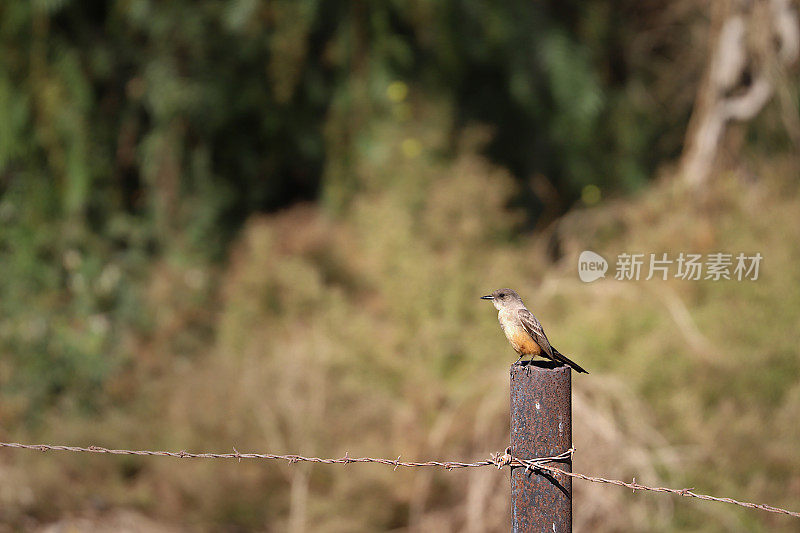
(497, 459)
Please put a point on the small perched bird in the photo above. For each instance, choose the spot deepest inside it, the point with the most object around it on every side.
(523, 330)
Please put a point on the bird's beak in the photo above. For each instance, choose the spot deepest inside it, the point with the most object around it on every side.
(487, 297)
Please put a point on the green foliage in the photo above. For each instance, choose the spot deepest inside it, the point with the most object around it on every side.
(67, 297)
(123, 95)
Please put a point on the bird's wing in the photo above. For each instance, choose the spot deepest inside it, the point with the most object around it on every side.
(535, 330)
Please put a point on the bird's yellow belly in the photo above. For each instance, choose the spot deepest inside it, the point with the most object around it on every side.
(522, 343)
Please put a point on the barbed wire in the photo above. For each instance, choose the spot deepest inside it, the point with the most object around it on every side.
(498, 460)
(183, 454)
(689, 492)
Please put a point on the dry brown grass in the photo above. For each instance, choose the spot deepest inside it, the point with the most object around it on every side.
(364, 334)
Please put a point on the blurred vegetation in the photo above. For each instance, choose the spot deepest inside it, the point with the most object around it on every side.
(265, 224)
(139, 130)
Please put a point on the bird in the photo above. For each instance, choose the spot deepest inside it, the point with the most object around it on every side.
(523, 329)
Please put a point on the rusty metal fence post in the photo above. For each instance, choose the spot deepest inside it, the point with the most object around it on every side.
(541, 425)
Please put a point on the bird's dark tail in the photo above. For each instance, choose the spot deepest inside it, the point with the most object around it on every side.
(560, 357)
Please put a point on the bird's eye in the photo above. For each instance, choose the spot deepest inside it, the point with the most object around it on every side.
(502, 295)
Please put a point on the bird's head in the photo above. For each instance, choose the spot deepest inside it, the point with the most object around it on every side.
(504, 298)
